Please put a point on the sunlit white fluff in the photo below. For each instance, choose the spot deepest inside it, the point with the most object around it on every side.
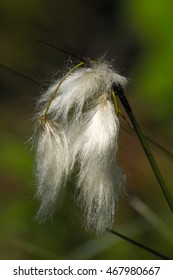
(100, 179)
(81, 86)
(81, 126)
(51, 166)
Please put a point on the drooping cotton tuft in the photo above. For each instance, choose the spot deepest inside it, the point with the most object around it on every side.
(100, 178)
(51, 166)
(80, 125)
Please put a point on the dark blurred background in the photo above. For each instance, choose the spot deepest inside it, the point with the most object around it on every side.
(137, 36)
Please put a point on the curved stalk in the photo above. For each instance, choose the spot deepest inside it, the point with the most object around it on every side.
(121, 94)
(57, 88)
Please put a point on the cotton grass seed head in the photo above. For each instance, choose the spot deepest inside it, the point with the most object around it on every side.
(78, 123)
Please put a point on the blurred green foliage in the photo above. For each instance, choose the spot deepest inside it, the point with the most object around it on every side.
(152, 22)
(138, 36)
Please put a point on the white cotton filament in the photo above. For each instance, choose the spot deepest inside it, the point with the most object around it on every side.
(51, 166)
(80, 124)
(99, 180)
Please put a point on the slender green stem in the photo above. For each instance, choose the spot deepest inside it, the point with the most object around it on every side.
(83, 59)
(120, 93)
(160, 147)
(152, 141)
(20, 74)
(57, 88)
(153, 218)
(134, 242)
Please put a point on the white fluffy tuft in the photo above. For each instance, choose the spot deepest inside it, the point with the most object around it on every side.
(81, 125)
(83, 85)
(99, 181)
(51, 166)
